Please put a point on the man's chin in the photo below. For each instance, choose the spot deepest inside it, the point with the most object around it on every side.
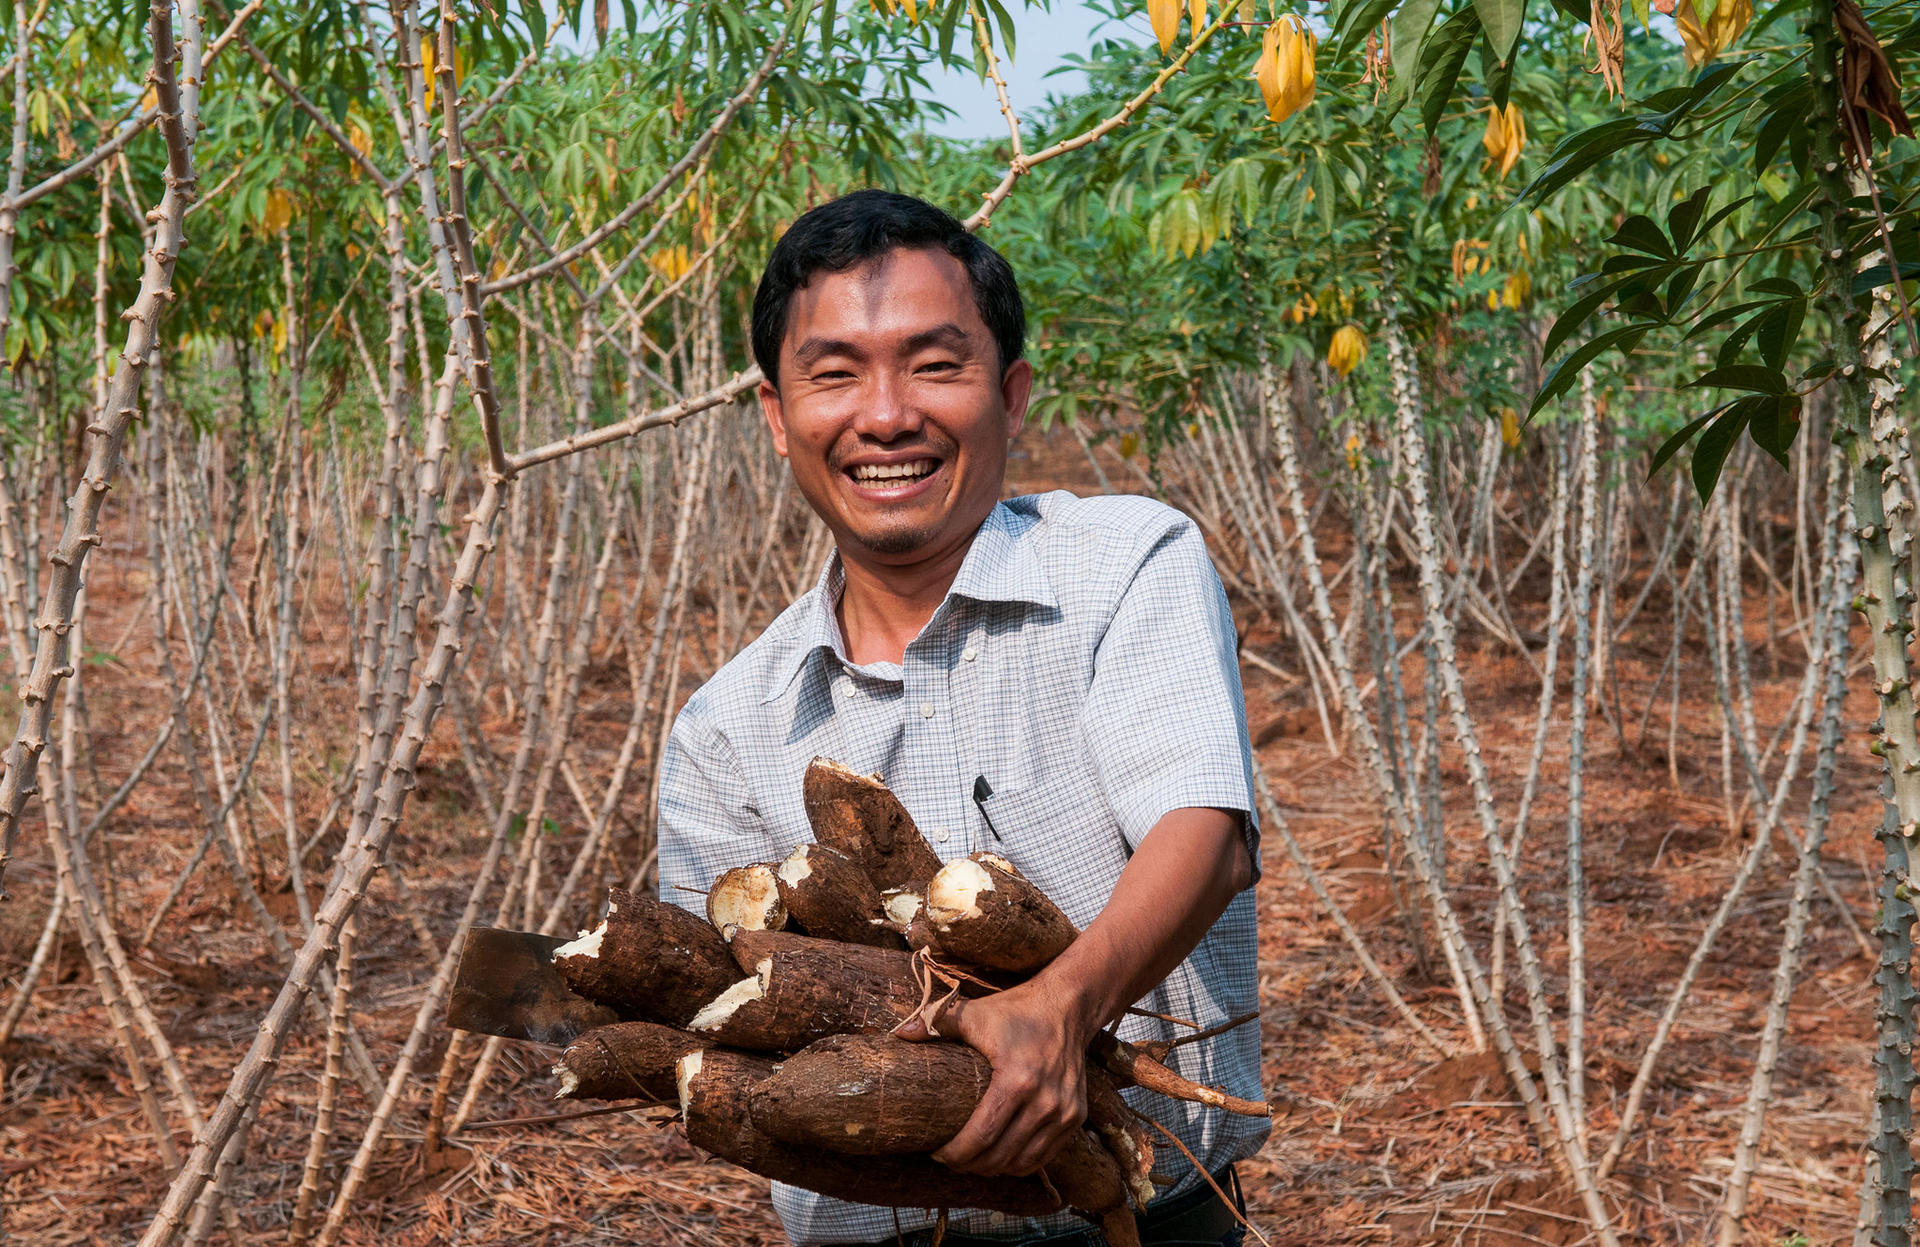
(895, 542)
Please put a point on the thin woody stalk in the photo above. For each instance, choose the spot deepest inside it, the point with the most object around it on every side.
(106, 437)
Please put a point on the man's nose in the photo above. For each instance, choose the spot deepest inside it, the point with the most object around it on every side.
(887, 412)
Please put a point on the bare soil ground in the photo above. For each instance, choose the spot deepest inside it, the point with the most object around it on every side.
(1374, 1141)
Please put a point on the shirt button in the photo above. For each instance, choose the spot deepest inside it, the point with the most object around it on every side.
(940, 834)
(970, 653)
(926, 710)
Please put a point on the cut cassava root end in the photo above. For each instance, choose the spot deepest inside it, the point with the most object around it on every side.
(858, 815)
(624, 1061)
(980, 909)
(649, 959)
(748, 897)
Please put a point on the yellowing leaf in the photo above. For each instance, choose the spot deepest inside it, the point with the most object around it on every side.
(1129, 443)
(278, 213)
(1197, 15)
(1353, 451)
(429, 67)
(1703, 41)
(1506, 135)
(149, 99)
(1510, 428)
(671, 263)
(1284, 70)
(1518, 288)
(1348, 348)
(1165, 16)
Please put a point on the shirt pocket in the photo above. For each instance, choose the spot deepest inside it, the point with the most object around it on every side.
(1063, 838)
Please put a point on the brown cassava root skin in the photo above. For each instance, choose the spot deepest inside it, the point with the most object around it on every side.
(812, 993)
(750, 948)
(715, 1104)
(1011, 925)
(829, 895)
(655, 961)
(1131, 1067)
(860, 816)
(1126, 1140)
(872, 1095)
(875, 1095)
(624, 1061)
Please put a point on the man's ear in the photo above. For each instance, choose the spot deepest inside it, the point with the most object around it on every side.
(1016, 387)
(776, 417)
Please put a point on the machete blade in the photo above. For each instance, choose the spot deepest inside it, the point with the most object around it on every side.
(506, 985)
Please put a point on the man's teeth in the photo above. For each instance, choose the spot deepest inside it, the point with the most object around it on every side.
(894, 471)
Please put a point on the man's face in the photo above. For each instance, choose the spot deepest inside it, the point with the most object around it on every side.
(892, 408)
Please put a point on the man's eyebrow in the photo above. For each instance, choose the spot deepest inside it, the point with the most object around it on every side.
(815, 349)
(946, 334)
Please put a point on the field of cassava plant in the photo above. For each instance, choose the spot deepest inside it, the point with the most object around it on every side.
(382, 474)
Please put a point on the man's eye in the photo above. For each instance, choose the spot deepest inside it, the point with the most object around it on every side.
(938, 365)
(833, 374)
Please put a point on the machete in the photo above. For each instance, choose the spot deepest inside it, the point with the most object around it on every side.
(506, 985)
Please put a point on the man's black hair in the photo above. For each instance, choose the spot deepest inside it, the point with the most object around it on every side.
(856, 228)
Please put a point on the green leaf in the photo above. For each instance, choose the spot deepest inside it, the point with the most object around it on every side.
(1441, 61)
(1568, 370)
(1710, 456)
(1779, 330)
(1355, 19)
(1671, 447)
(1685, 215)
(1641, 234)
(1410, 27)
(1741, 377)
(1774, 427)
(1502, 20)
(1577, 314)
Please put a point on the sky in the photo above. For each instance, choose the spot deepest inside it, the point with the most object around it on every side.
(1046, 37)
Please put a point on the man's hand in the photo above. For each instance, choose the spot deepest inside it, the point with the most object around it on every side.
(1036, 1040)
(1035, 1035)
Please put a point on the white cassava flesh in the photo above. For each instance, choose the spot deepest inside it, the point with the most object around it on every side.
(955, 891)
(588, 945)
(903, 907)
(685, 1073)
(727, 1002)
(796, 868)
(569, 1082)
(747, 897)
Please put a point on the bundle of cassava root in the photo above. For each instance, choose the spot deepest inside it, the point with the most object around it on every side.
(771, 1023)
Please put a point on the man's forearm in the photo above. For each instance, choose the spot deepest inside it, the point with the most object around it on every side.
(1182, 877)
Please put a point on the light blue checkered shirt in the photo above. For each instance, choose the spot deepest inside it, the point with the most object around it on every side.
(1084, 664)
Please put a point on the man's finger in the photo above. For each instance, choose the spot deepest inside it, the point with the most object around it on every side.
(1040, 1149)
(1015, 1141)
(934, 1023)
(983, 1128)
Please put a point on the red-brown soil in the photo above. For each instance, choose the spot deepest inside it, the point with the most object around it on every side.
(1374, 1140)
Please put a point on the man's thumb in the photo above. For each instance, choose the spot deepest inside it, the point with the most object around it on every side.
(933, 1020)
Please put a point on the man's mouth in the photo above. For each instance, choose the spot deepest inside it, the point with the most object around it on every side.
(886, 474)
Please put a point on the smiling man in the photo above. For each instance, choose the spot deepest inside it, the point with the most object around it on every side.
(1049, 677)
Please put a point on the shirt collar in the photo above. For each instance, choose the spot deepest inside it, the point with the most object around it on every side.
(999, 567)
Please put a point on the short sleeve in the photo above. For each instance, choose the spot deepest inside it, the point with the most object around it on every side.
(1166, 718)
(708, 822)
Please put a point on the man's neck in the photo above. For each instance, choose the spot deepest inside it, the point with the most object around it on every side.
(885, 605)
